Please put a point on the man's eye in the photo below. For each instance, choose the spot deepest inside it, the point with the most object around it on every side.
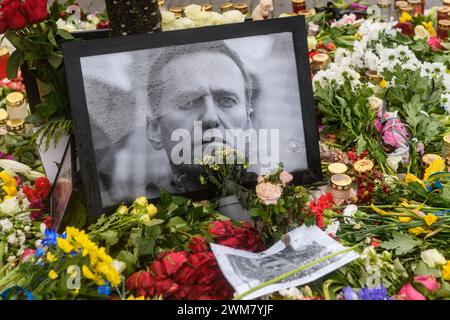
(227, 101)
(190, 104)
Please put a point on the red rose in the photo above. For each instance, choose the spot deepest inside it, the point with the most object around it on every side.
(36, 10)
(103, 25)
(198, 244)
(218, 229)
(14, 14)
(3, 23)
(174, 261)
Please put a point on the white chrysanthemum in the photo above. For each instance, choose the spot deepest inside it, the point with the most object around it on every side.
(12, 239)
(10, 206)
(233, 16)
(6, 225)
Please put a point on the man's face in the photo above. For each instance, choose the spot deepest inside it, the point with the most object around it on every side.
(203, 86)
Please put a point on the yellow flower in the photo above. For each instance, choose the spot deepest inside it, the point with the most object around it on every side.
(417, 231)
(405, 17)
(9, 184)
(138, 298)
(430, 28)
(152, 210)
(50, 257)
(145, 219)
(437, 165)
(122, 210)
(410, 178)
(52, 274)
(64, 245)
(404, 219)
(383, 83)
(446, 271)
(430, 219)
(87, 272)
(141, 201)
(421, 33)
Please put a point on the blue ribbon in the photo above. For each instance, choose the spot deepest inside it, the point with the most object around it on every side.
(4, 294)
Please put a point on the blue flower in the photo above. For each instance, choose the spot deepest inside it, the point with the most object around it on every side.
(39, 252)
(104, 290)
(349, 294)
(378, 293)
(50, 238)
(438, 185)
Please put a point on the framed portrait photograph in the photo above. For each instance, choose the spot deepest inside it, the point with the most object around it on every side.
(64, 185)
(148, 109)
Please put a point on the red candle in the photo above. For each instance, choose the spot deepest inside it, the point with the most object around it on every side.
(4, 57)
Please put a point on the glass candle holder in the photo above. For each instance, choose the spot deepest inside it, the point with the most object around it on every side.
(242, 7)
(178, 11)
(385, 10)
(320, 61)
(443, 28)
(442, 13)
(408, 9)
(417, 6)
(16, 126)
(446, 3)
(207, 7)
(397, 5)
(298, 5)
(428, 159)
(16, 106)
(340, 187)
(3, 120)
(226, 6)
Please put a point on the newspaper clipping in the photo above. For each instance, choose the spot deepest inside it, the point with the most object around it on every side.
(245, 270)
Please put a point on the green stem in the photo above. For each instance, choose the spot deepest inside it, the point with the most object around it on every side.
(292, 272)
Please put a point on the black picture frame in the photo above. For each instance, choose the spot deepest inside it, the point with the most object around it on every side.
(67, 170)
(74, 51)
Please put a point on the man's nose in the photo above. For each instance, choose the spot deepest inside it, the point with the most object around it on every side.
(210, 119)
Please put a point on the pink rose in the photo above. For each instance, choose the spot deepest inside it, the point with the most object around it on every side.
(268, 193)
(429, 281)
(435, 43)
(407, 292)
(261, 179)
(286, 177)
(27, 254)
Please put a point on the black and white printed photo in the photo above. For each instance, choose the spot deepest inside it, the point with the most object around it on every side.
(155, 113)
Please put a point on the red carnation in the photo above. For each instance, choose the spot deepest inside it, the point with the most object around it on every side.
(324, 202)
(3, 23)
(14, 14)
(42, 187)
(407, 28)
(36, 10)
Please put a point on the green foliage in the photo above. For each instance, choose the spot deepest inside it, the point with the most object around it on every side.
(402, 243)
(52, 130)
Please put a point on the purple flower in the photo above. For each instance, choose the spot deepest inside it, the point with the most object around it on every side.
(349, 294)
(378, 293)
(420, 148)
(358, 6)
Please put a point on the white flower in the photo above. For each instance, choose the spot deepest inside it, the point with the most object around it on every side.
(42, 228)
(291, 293)
(27, 228)
(312, 28)
(375, 104)
(10, 206)
(6, 225)
(38, 243)
(118, 265)
(183, 23)
(420, 33)
(193, 11)
(233, 16)
(312, 43)
(432, 258)
(393, 161)
(11, 258)
(12, 239)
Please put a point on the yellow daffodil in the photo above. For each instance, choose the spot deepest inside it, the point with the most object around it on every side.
(51, 257)
(52, 274)
(383, 83)
(446, 271)
(430, 28)
(437, 165)
(9, 184)
(138, 298)
(405, 17)
(152, 210)
(430, 219)
(404, 219)
(417, 231)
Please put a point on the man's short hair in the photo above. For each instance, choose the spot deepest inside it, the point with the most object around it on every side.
(171, 53)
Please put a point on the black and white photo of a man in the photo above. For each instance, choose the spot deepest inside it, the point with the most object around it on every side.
(137, 108)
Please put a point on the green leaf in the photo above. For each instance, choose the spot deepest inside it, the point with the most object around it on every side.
(402, 243)
(146, 246)
(51, 38)
(111, 237)
(444, 291)
(14, 62)
(65, 35)
(155, 222)
(55, 60)
(129, 259)
(423, 269)
(361, 145)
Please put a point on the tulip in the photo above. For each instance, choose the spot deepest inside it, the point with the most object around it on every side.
(429, 281)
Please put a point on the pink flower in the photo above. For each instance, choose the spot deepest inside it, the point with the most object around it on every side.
(429, 281)
(261, 179)
(286, 177)
(435, 43)
(268, 193)
(392, 130)
(407, 292)
(27, 254)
